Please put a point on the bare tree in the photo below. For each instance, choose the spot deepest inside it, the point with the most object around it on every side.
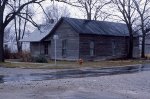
(125, 7)
(91, 8)
(20, 24)
(143, 8)
(55, 12)
(7, 36)
(7, 14)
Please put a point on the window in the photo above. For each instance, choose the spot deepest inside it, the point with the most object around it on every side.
(115, 46)
(64, 48)
(46, 48)
(91, 48)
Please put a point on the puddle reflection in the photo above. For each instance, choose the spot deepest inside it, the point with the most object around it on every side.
(76, 73)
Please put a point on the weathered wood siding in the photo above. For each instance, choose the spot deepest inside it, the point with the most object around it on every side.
(147, 46)
(104, 46)
(78, 46)
(65, 32)
(37, 48)
(136, 47)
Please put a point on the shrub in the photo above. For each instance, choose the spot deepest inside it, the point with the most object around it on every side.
(26, 56)
(15, 56)
(40, 59)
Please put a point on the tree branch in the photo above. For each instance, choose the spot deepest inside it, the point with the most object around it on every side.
(10, 18)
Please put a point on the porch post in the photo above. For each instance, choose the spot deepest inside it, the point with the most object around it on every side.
(55, 37)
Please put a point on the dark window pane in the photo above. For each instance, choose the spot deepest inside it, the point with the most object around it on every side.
(91, 48)
(64, 48)
(46, 48)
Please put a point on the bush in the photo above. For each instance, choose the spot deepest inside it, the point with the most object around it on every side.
(16, 55)
(26, 56)
(40, 59)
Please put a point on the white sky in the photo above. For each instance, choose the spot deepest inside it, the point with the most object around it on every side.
(75, 12)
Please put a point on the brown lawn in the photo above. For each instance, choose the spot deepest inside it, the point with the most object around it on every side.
(71, 64)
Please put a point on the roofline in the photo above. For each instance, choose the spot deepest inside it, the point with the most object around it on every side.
(62, 19)
(31, 41)
(104, 35)
(72, 26)
(28, 41)
(55, 26)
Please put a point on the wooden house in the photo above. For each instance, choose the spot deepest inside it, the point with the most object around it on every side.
(86, 39)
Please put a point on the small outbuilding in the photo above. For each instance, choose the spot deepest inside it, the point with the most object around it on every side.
(80, 38)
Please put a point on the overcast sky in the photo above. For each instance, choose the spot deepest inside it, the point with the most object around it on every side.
(75, 12)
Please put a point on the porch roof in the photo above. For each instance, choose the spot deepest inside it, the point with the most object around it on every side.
(38, 34)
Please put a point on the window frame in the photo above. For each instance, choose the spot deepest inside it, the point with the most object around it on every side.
(92, 48)
(64, 48)
(46, 48)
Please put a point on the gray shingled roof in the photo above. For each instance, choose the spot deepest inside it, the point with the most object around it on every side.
(83, 26)
(38, 34)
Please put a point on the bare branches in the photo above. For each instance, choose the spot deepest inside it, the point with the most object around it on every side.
(92, 8)
(125, 7)
(7, 16)
(11, 16)
(44, 10)
(54, 12)
(144, 21)
(4, 4)
(28, 19)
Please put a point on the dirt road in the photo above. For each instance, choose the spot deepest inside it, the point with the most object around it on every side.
(124, 86)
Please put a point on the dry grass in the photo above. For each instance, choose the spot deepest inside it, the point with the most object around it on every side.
(71, 65)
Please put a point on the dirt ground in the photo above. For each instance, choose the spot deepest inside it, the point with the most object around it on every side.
(124, 86)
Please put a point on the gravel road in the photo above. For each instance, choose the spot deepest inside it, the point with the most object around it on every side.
(123, 86)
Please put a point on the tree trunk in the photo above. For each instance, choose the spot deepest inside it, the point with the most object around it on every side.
(1, 34)
(88, 16)
(19, 47)
(130, 51)
(143, 36)
(130, 48)
(1, 44)
(143, 46)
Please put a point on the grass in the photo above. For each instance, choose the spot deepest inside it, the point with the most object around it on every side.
(71, 65)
